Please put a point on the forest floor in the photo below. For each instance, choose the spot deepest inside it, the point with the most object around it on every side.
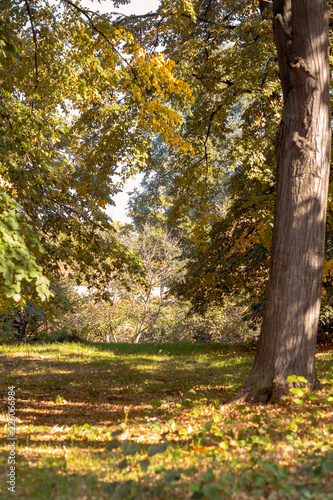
(108, 421)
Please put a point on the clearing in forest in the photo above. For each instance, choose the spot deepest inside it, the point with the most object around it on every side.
(104, 421)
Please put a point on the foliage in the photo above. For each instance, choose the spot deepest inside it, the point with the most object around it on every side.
(23, 323)
(118, 303)
(86, 317)
(164, 320)
(86, 99)
(136, 311)
(79, 98)
(19, 249)
(223, 193)
(177, 322)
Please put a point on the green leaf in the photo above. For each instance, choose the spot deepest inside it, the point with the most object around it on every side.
(207, 427)
(306, 471)
(111, 487)
(302, 379)
(297, 391)
(217, 417)
(209, 476)
(157, 448)
(123, 464)
(197, 495)
(9, 293)
(130, 448)
(155, 403)
(125, 491)
(327, 467)
(211, 492)
(112, 445)
(318, 470)
(118, 432)
(190, 471)
(144, 464)
(172, 475)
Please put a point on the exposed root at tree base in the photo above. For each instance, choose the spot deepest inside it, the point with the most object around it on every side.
(270, 393)
(252, 396)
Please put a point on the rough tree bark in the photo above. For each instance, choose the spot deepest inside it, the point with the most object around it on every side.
(287, 342)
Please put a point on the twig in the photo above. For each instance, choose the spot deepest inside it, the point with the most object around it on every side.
(86, 14)
(207, 8)
(208, 132)
(34, 35)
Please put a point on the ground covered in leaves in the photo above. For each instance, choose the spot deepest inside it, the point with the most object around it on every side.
(107, 421)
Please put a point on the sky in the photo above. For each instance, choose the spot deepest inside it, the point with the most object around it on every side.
(118, 212)
(134, 7)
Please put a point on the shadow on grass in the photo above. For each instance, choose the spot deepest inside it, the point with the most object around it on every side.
(254, 478)
(119, 387)
(74, 389)
(54, 481)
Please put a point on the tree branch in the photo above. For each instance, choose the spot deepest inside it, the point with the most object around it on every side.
(34, 35)
(213, 113)
(282, 34)
(207, 8)
(86, 14)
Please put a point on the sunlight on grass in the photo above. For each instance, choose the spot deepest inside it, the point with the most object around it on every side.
(150, 421)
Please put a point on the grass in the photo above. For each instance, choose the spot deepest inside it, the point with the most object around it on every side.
(99, 421)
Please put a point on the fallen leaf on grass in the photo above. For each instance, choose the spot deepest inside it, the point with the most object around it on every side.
(202, 449)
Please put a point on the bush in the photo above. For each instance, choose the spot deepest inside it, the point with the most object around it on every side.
(24, 323)
(176, 322)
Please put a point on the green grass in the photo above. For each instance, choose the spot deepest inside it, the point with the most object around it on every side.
(101, 421)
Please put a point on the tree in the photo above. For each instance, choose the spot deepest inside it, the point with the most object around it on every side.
(160, 253)
(288, 335)
(78, 101)
(287, 341)
(223, 192)
(231, 226)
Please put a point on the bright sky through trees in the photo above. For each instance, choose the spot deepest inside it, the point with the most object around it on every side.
(134, 7)
(118, 212)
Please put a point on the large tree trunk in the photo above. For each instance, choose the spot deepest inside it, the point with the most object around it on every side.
(287, 341)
